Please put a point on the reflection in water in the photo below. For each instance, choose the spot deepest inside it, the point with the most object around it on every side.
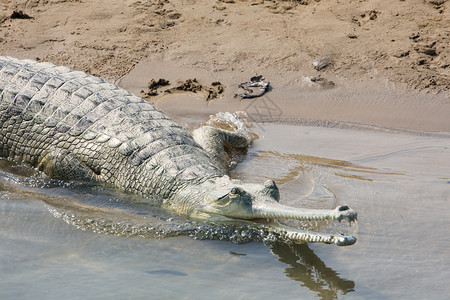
(311, 271)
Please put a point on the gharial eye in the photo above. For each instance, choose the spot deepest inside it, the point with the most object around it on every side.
(270, 184)
(235, 191)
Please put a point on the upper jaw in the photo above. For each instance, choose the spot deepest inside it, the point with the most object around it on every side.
(278, 211)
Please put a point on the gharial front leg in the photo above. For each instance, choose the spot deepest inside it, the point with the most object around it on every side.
(61, 164)
(217, 141)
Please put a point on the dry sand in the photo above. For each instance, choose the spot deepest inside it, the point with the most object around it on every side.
(389, 60)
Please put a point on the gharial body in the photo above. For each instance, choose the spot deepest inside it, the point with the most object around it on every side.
(74, 126)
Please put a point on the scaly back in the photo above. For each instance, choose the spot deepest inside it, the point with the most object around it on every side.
(124, 140)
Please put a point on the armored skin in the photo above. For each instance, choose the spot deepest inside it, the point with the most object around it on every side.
(75, 126)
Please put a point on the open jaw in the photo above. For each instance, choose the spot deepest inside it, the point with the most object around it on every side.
(262, 217)
(296, 234)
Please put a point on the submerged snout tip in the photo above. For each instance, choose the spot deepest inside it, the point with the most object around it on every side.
(344, 240)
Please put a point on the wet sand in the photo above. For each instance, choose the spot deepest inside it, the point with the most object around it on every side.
(295, 99)
(389, 62)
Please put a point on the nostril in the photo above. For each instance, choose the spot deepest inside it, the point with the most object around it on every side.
(343, 208)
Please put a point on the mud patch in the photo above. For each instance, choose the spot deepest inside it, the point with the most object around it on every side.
(284, 6)
(192, 85)
(209, 92)
(437, 4)
(153, 87)
(20, 15)
(323, 82)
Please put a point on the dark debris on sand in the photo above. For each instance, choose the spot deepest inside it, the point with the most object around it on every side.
(19, 14)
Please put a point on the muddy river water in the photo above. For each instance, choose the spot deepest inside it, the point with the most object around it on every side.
(52, 245)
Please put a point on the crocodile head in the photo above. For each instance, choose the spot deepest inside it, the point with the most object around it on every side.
(231, 201)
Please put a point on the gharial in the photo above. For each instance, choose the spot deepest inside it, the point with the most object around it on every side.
(75, 126)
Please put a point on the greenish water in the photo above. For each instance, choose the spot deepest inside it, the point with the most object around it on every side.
(72, 241)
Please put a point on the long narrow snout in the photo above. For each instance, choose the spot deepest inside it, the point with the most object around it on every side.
(280, 211)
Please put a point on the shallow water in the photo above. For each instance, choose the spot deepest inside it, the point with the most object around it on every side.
(398, 183)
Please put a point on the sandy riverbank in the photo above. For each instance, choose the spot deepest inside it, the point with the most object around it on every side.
(389, 61)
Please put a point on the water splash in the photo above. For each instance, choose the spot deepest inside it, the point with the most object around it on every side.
(235, 122)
